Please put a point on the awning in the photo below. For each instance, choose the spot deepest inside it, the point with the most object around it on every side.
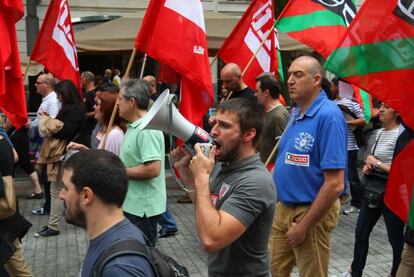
(119, 35)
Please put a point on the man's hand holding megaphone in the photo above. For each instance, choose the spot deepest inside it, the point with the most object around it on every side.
(202, 165)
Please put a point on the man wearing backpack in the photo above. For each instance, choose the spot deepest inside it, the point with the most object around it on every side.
(234, 198)
(95, 183)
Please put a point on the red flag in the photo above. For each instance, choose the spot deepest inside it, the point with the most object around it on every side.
(399, 188)
(173, 33)
(12, 95)
(55, 45)
(376, 54)
(246, 38)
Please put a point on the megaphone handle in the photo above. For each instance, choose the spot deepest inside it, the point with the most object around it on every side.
(172, 143)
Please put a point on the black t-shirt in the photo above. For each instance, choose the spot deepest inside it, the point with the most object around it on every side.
(89, 98)
(244, 93)
(6, 157)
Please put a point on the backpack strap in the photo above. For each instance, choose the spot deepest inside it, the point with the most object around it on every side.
(120, 248)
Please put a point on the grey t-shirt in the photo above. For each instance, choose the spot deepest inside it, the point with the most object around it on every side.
(126, 265)
(245, 190)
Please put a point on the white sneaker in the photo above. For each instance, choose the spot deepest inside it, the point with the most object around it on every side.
(350, 210)
(346, 274)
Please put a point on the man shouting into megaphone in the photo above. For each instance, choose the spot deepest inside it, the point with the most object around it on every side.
(235, 197)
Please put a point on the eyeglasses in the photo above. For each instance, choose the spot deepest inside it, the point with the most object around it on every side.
(38, 83)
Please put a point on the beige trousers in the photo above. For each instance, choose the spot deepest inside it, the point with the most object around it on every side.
(312, 256)
(16, 265)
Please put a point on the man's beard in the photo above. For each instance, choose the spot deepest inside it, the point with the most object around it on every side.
(77, 218)
(231, 154)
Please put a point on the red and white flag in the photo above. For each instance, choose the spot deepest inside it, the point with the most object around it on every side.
(55, 45)
(173, 33)
(246, 38)
(12, 95)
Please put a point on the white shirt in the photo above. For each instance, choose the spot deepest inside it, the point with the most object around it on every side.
(50, 104)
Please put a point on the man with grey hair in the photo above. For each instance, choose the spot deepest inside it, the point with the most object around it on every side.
(142, 152)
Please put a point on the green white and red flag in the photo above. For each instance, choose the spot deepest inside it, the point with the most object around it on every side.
(377, 55)
(364, 100)
(319, 24)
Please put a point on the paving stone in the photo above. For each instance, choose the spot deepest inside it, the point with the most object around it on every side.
(62, 255)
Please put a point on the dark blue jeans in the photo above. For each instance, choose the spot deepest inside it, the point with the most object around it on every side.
(148, 226)
(357, 190)
(167, 221)
(367, 219)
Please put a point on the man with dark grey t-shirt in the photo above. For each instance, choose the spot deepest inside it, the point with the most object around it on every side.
(234, 198)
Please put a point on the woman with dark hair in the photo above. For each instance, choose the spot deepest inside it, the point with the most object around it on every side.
(15, 227)
(379, 161)
(72, 115)
(110, 141)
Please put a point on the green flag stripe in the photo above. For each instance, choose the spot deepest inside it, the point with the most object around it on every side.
(381, 56)
(367, 105)
(280, 66)
(303, 22)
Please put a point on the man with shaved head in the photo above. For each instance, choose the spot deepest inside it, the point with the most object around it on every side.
(309, 176)
(232, 82)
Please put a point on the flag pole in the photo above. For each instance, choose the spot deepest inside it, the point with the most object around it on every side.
(27, 69)
(269, 158)
(257, 51)
(115, 110)
(214, 59)
(143, 66)
(130, 63)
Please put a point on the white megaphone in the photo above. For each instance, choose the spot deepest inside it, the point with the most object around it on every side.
(164, 116)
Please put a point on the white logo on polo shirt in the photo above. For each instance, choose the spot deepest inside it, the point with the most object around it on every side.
(304, 142)
(223, 190)
(297, 159)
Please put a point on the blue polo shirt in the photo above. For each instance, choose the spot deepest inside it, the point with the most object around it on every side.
(311, 144)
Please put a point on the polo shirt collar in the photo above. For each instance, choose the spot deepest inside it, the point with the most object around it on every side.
(136, 123)
(314, 107)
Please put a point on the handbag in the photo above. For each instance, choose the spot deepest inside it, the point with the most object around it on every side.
(374, 187)
(8, 201)
(374, 183)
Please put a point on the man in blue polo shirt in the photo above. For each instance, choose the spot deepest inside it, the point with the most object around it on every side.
(309, 175)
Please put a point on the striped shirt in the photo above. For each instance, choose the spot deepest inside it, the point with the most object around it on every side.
(355, 109)
(384, 150)
(50, 104)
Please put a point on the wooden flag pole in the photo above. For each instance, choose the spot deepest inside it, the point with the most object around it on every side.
(130, 63)
(257, 51)
(269, 158)
(27, 69)
(214, 59)
(115, 110)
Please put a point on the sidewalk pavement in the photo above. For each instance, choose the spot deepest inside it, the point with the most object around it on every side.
(62, 255)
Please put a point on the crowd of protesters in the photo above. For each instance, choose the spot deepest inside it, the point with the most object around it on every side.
(258, 212)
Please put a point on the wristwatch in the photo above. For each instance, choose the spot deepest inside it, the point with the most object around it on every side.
(378, 164)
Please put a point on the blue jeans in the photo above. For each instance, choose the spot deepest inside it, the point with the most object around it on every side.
(167, 221)
(148, 226)
(357, 190)
(367, 219)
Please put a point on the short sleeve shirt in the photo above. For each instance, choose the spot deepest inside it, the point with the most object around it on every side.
(245, 190)
(312, 143)
(125, 265)
(144, 197)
